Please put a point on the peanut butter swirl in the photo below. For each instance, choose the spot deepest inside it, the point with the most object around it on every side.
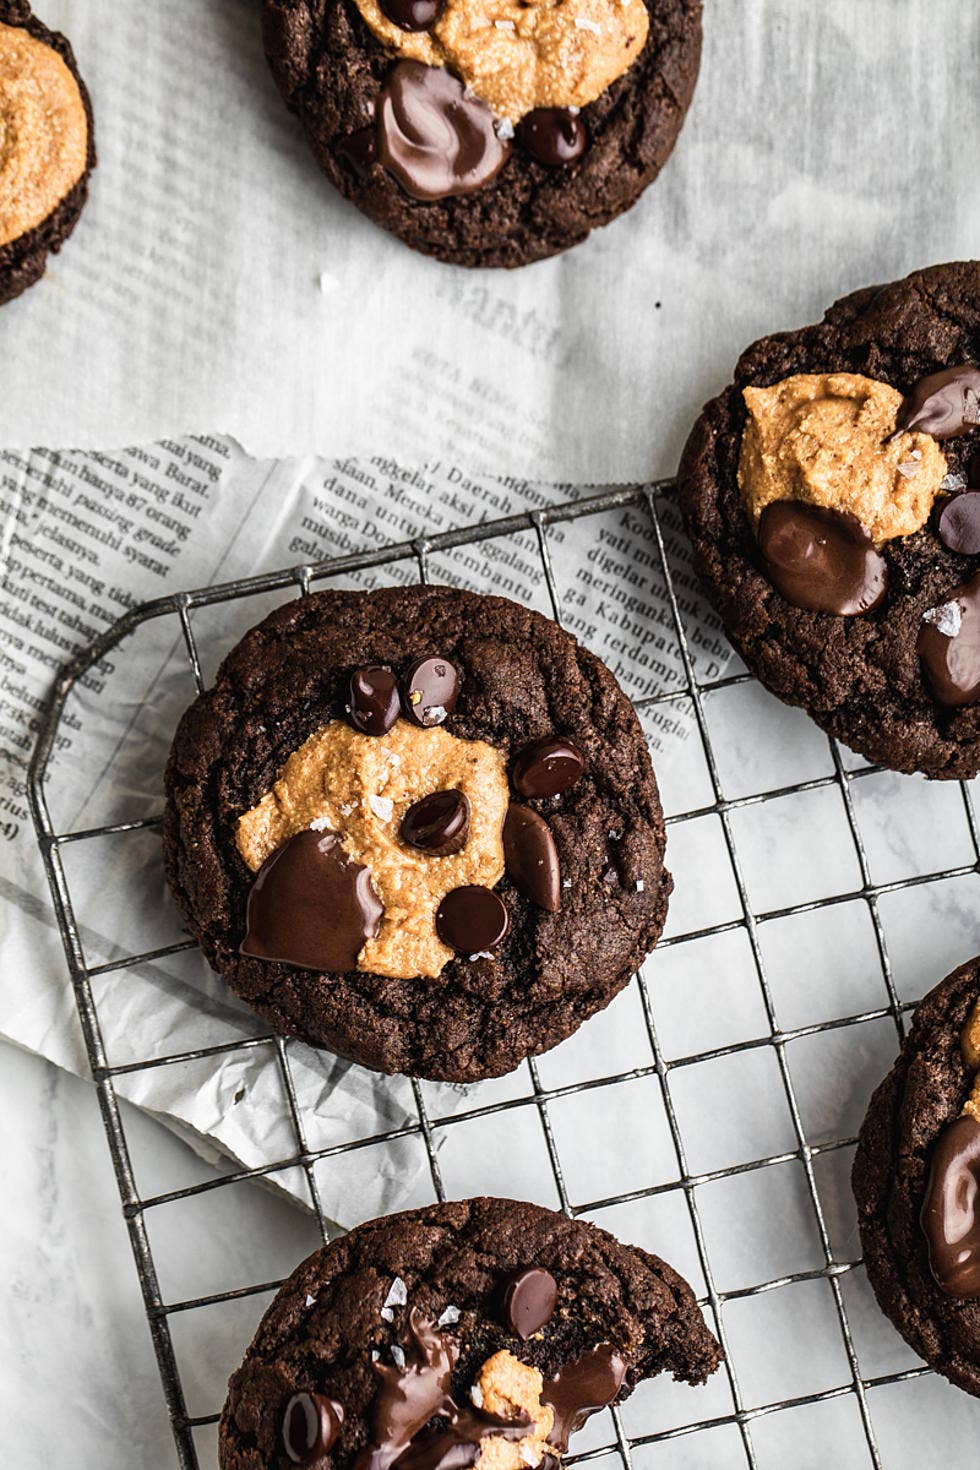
(518, 55)
(43, 132)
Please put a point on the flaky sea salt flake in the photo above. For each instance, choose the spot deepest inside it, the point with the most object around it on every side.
(504, 25)
(640, 886)
(583, 24)
(947, 618)
(482, 954)
(953, 482)
(504, 129)
(382, 806)
(397, 1355)
(320, 824)
(437, 713)
(476, 1396)
(310, 1300)
(449, 1317)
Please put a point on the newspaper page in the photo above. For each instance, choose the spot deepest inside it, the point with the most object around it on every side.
(217, 283)
(86, 536)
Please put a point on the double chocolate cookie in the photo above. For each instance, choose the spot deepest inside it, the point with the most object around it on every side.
(480, 1333)
(917, 1182)
(419, 827)
(832, 496)
(487, 132)
(47, 146)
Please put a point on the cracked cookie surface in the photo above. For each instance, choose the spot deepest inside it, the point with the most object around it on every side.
(522, 679)
(860, 678)
(451, 1264)
(926, 1090)
(330, 68)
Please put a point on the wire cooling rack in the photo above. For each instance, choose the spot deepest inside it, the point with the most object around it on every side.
(745, 1414)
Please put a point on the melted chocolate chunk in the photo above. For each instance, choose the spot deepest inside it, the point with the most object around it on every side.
(949, 646)
(360, 149)
(529, 1301)
(310, 1426)
(412, 1395)
(412, 15)
(581, 1389)
(438, 824)
(472, 919)
(548, 766)
(959, 523)
(409, 1397)
(554, 136)
(311, 906)
(531, 857)
(944, 404)
(820, 559)
(432, 138)
(431, 688)
(951, 1209)
(373, 699)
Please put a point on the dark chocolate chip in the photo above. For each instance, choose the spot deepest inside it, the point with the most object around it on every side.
(531, 857)
(581, 1388)
(360, 149)
(310, 1426)
(430, 689)
(529, 1301)
(438, 824)
(472, 919)
(412, 15)
(944, 404)
(820, 559)
(374, 702)
(434, 139)
(951, 1209)
(311, 906)
(548, 766)
(959, 523)
(554, 136)
(949, 646)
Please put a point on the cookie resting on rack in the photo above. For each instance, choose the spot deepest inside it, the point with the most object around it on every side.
(917, 1182)
(482, 1333)
(832, 497)
(487, 132)
(47, 146)
(419, 827)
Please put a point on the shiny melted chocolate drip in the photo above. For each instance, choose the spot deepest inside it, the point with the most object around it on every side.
(583, 1387)
(311, 906)
(945, 404)
(951, 1209)
(433, 138)
(951, 664)
(820, 559)
(410, 1396)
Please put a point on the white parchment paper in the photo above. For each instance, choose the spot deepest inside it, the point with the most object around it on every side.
(217, 283)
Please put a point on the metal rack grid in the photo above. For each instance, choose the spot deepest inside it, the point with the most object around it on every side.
(649, 499)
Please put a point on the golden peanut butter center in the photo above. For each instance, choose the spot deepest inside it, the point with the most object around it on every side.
(43, 132)
(829, 439)
(361, 786)
(509, 1388)
(970, 1046)
(522, 54)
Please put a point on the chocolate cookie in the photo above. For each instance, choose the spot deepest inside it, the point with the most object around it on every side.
(49, 124)
(419, 827)
(917, 1182)
(490, 138)
(478, 1333)
(831, 498)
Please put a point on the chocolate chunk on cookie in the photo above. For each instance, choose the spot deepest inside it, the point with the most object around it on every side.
(343, 838)
(917, 1182)
(821, 495)
(479, 1333)
(48, 148)
(491, 133)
